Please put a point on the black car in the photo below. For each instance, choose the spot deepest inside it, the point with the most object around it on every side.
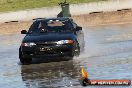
(52, 37)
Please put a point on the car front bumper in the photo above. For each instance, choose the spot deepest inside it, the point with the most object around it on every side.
(48, 51)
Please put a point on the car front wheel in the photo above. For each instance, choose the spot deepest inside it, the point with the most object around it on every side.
(24, 60)
(76, 50)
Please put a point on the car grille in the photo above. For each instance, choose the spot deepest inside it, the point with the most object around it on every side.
(46, 43)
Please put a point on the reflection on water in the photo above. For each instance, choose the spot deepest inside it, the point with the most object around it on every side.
(49, 75)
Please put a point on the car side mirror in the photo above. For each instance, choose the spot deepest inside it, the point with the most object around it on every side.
(78, 28)
(23, 32)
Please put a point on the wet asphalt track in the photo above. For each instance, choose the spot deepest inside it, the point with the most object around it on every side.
(107, 55)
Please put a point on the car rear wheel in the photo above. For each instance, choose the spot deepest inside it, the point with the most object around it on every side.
(24, 60)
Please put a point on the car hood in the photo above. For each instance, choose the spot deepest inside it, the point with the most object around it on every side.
(48, 37)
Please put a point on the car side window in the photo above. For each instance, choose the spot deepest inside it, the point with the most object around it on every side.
(73, 24)
(68, 25)
(34, 27)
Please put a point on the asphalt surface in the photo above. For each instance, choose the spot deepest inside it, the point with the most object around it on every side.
(107, 55)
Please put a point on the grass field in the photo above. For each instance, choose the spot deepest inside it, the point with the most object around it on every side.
(14, 5)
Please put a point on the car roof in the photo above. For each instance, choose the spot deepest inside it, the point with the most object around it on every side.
(59, 18)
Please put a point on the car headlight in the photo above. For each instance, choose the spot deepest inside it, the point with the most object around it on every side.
(65, 42)
(28, 44)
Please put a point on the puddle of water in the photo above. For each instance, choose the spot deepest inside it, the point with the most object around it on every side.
(105, 57)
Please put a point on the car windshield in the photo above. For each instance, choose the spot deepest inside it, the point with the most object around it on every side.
(51, 26)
